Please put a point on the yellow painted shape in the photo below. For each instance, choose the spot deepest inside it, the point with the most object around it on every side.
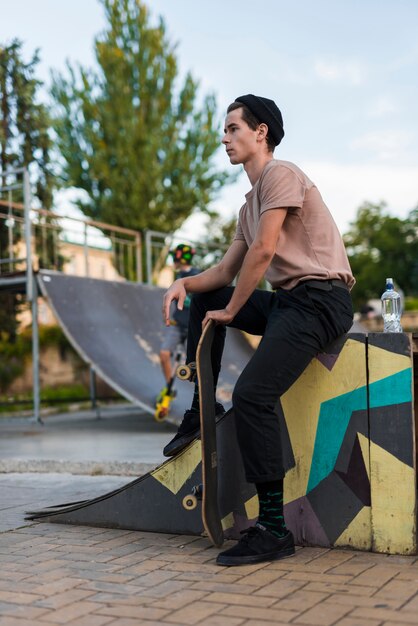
(393, 497)
(364, 446)
(228, 521)
(383, 363)
(358, 533)
(251, 507)
(302, 404)
(174, 473)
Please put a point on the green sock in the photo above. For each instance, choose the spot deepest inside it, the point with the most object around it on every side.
(270, 497)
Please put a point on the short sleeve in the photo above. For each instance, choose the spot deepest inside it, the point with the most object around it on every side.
(280, 187)
(239, 233)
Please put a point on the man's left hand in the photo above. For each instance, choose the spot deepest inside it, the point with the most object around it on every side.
(222, 316)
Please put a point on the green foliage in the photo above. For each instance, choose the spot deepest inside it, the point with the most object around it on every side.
(12, 358)
(380, 245)
(50, 396)
(24, 142)
(411, 304)
(9, 304)
(138, 145)
(219, 236)
(14, 354)
(24, 123)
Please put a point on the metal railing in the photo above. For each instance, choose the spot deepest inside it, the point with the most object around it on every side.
(41, 239)
(158, 245)
(33, 238)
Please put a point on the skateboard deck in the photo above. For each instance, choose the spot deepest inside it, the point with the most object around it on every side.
(210, 509)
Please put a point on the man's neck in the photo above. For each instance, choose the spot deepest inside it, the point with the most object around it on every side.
(255, 166)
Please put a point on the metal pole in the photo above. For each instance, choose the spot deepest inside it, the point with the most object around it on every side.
(32, 297)
(35, 354)
(10, 231)
(138, 258)
(93, 391)
(148, 254)
(86, 251)
(28, 235)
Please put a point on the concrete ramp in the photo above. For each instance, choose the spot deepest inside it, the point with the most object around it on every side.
(117, 328)
(155, 502)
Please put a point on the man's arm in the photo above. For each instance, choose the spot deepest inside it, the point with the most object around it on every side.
(254, 266)
(215, 277)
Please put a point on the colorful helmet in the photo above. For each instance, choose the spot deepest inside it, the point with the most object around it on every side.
(183, 254)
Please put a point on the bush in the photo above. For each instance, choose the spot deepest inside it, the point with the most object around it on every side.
(411, 304)
(50, 396)
(13, 356)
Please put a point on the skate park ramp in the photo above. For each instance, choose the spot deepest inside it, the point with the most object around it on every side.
(117, 328)
(156, 501)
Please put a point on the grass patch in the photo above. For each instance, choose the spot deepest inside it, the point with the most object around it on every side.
(63, 397)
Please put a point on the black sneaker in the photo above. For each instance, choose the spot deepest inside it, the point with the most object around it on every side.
(258, 545)
(188, 430)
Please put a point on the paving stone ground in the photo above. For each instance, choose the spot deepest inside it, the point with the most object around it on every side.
(52, 574)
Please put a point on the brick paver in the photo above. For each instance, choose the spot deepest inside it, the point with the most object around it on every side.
(93, 584)
(52, 574)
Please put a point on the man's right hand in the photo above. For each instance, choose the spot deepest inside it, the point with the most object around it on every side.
(175, 292)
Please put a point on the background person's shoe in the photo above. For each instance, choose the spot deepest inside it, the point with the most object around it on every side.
(257, 545)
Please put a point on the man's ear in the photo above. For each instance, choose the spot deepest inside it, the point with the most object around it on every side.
(263, 130)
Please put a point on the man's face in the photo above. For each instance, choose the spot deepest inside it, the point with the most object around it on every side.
(239, 139)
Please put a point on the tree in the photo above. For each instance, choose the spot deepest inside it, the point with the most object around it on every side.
(24, 142)
(24, 123)
(219, 236)
(380, 245)
(137, 145)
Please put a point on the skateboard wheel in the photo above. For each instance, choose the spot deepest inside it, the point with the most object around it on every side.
(190, 502)
(186, 372)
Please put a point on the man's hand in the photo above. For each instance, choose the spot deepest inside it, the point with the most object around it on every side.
(175, 292)
(222, 316)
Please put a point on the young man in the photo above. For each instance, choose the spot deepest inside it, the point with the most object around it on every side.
(176, 332)
(286, 233)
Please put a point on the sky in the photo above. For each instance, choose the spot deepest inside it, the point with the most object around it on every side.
(343, 72)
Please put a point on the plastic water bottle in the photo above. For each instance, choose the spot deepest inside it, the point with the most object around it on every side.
(391, 309)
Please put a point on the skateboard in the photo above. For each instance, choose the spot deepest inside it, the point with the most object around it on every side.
(163, 404)
(208, 492)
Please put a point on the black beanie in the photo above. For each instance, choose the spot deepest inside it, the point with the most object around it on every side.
(267, 112)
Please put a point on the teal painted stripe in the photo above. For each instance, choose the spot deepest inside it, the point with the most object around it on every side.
(335, 414)
(334, 417)
(393, 389)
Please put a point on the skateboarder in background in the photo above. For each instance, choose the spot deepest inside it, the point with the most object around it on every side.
(176, 333)
(286, 233)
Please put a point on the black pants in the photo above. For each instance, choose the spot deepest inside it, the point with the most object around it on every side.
(295, 325)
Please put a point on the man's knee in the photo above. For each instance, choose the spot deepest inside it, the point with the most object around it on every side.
(243, 394)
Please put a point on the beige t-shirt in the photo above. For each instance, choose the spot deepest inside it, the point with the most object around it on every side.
(310, 245)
